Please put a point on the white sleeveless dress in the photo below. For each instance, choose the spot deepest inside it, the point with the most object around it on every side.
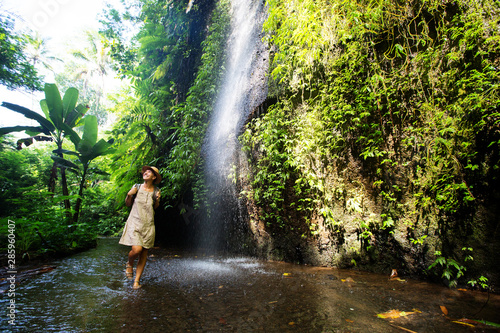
(140, 227)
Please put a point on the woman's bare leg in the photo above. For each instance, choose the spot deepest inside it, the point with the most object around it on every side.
(132, 255)
(140, 267)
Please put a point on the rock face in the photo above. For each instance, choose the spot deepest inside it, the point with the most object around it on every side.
(357, 239)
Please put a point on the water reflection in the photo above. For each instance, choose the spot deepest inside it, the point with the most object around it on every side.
(185, 293)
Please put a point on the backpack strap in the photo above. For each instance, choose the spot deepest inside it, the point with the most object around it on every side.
(131, 201)
(155, 193)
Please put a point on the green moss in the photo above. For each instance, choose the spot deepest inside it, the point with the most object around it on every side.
(388, 113)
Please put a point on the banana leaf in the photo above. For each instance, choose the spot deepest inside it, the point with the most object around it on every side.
(69, 101)
(46, 124)
(65, 151)
(66, 164)
(54, 104)
(76, 114)
(31, 129)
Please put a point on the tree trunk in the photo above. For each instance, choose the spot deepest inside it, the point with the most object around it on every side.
(52, 179)
(80, 194)
(64, 184)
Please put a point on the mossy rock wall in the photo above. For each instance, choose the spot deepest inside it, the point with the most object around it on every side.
(381, 148)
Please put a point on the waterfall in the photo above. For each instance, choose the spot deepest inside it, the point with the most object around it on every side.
(243, 88)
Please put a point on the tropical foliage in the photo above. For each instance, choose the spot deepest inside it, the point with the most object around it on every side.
(61, 116)
(16, 71)
(42, 226)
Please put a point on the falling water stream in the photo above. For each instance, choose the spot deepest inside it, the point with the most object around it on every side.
(243, 88)
(182, 292)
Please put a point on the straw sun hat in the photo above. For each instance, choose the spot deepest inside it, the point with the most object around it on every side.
(155, 171)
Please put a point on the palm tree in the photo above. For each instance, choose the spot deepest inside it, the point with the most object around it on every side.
(38, 54)
(95, 66)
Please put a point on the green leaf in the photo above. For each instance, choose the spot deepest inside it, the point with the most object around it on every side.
(45, 123)
(74, 115)
(75, 171)
(65, 151)
(32, 129)
(99, 149)
(45, 108)
(69, 101)
(98, 171)
(399, 50)
(54, 104)
(90, 130)
(64, 162)
(489, 323)
(73, 136)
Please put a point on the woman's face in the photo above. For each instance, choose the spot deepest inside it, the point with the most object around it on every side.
(148, 175)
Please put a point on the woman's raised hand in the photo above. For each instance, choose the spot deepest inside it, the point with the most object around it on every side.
(132, 191)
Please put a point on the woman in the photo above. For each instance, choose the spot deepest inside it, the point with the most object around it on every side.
(139, 230)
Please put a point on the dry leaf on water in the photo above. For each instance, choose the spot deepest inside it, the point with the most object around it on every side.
(444, 309)
(398, 279)
(462, 323)
(348, 280)
(393, 314)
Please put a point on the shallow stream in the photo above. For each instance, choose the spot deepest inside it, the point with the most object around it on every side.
(89, 292)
